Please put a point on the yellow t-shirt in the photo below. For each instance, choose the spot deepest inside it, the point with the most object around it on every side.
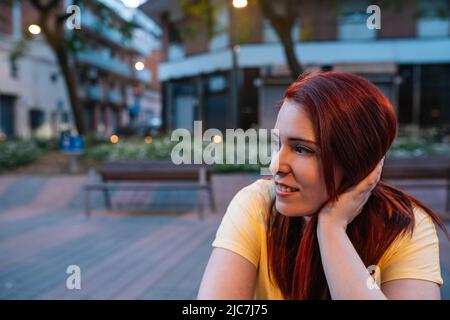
(243, 231)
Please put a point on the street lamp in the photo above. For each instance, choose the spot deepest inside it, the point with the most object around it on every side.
(114, 139)
(238, 4)
(34, 29)
(139, 66)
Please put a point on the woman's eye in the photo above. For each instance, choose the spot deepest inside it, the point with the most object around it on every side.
(301, 149)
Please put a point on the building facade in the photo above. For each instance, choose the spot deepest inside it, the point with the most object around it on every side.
(33, 96)
(408, 58)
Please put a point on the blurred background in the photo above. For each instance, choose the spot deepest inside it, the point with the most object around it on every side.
(84, 83)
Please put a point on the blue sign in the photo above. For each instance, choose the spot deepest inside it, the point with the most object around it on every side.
(136, 108)
(70, 143)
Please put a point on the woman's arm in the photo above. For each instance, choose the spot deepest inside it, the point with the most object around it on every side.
(344, 270)
(228, 276)
(348, 278)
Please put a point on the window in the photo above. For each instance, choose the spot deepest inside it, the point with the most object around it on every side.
(220, 38)
(37, 119)
(217, 83)
(175, 49)
(270, 34)
(435, 96)
(7, 115)
(434, 19)
(13, 69)
(352, 21)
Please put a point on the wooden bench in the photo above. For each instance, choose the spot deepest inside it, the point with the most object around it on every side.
(420, 168)
(152, 175)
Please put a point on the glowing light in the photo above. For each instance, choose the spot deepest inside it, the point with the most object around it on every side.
(239, 3)
(114, 139)
(148, 139)
(34, 29)
(217, 139)
(139, 66)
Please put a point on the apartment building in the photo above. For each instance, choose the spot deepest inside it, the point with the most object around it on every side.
(408, 58)
(33, 97)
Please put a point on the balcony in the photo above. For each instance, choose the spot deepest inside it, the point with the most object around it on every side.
(218, 42)
(433, 27)
(175, 51)
(353, 27)
(144, 76)
(139, 42)
(114, 96)
(95, 93)
(103, 60)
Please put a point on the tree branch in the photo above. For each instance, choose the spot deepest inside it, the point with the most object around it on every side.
(63, 17)
(279, 22)
(51, 4)
(38, 5)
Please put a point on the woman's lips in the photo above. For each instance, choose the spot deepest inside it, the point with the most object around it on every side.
(284, 191)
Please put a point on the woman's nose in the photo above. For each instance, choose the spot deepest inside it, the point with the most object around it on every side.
(279, 163)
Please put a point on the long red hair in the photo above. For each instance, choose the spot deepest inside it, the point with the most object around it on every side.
(355, 126)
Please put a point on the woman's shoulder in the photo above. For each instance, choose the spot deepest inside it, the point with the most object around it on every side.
(261, 191)
(422, 231)
(421, 235)
(414, 254)
(261, 186)
(255, 199)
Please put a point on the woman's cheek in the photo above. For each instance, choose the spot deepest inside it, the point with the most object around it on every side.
(305, 174)
(310, 180)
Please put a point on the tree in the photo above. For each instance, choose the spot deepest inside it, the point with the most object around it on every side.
(282, 15)
(283, 20)
(52, 17)
(52, 20)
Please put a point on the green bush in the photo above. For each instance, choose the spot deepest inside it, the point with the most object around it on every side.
(160, 149)
(14, 153)
(414, 147)
(93, 140)
(46, 144)
(131, 149)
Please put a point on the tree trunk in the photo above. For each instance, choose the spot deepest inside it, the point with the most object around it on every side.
(53, 30)
(72, 88)
(289, 51)
(282, 24)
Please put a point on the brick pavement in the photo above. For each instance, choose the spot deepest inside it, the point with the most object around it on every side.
(151, 246)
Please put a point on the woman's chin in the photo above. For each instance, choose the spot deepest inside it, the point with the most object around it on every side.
(291, 211)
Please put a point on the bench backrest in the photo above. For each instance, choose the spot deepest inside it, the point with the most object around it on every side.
(155, 170)
(417, 167)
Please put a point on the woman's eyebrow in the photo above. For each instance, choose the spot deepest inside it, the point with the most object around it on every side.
(277, 136)
(301, 139)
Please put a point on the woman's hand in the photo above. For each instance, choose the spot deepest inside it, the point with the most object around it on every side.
(351, 202)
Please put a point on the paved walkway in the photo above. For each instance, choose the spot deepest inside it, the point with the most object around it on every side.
(143, 249)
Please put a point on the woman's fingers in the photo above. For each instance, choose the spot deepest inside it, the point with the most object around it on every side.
(372, 179)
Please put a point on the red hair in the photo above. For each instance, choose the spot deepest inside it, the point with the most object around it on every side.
(355, 126)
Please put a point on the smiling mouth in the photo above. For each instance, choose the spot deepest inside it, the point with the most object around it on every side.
(284, 188)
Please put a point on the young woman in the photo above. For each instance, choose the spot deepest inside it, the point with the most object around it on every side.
(326, 220)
